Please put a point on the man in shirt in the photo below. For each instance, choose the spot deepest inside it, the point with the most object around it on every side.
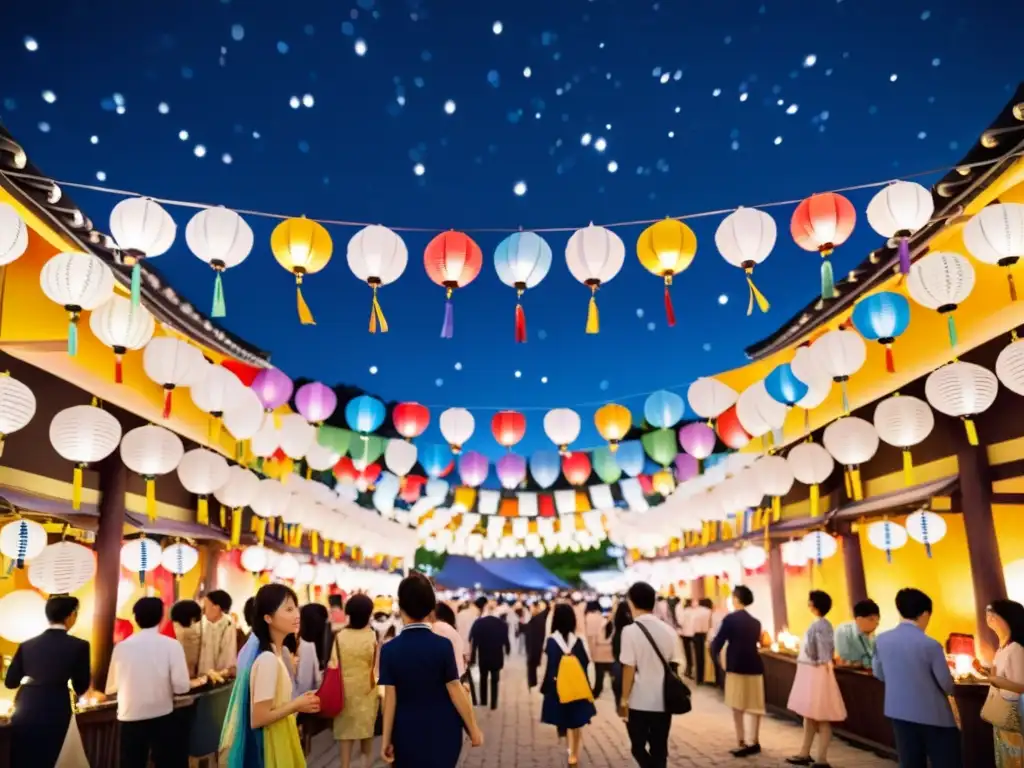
(701, 625)
(464, 621)
(684, 620)
(643, 678)
(855, 640)
(219, 650)
(147, 670)
(918, 685)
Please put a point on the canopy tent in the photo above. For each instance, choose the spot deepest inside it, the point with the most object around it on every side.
(499, 575)
(525, 571)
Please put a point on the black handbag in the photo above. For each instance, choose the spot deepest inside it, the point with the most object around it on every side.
(677, 694)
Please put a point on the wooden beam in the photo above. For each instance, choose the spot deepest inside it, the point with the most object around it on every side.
(777, 578)
(853, 564)
(113, 481)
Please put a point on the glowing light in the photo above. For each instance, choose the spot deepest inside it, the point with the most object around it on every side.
(723, 299)
(778, 140)
(585, 139)
(520, 188)
(31, 44)
(792, 109)
(294, 102)
(226, 159)
(600, 144)
(519, 374)
(497, 27)
(543, 379)
(449, 107)
(163, 108)
(613, 167)
(183, 135)
(307, 100)
(458, 366)
(49, 97)
(373, 370)
(360, 47)
(94, 139)
(893, 77)
(810, 60)
(101, 176)
(527, 72)
(419, 169)
(199, 151)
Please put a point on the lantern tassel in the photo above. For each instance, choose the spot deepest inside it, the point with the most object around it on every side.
(76, 488)
(151, 499)
(448, 325)
(815, 500)
(904, 255)
(2, 439)
(203, 510)
(807, 421)
(214, 430)
(670, 312)
(223, 517)
(377, 315)
(828, 285)
(219, 305)
(314, 541)
(776, 508)
(972, 431)
(309, 472)
(908, 468)
(890, 363)
(846, 398)
(261, 530)
(848, 483)
(118, 368)
(236, 527)
(137, 282)
(520, 324)
(305, 315)
(856, 484)
(1012, 284)
(951, 330)
(168, 400)
(593, 319)
(73, 334)
(755, 295)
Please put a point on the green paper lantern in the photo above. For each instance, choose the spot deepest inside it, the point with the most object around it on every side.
(604, 464)
(661, 446)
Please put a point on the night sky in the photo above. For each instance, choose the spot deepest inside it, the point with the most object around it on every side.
(443, 114)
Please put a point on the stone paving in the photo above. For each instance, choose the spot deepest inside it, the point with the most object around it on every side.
(515, 738)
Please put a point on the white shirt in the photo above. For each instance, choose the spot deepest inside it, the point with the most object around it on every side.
(147, 670)
(1009, 663)
(684, 618)
(701, 620)
(464, 623)
(648, 693)
(447, 630)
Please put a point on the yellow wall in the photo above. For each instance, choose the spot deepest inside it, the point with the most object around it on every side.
(830, 577)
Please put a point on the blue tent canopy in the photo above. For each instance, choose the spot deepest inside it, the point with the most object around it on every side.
(525, 571)
(498, 575)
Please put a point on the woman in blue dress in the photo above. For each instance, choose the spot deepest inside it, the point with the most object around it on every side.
(573, 716)
(425, 705)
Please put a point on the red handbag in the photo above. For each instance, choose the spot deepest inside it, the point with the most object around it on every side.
(332, 689)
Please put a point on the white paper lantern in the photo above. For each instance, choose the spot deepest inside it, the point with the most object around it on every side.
(62, 568)
(79, 282)
(1010, 366)
(377, 256)
(255, 559)
(296, 435)
(286, 568)
(962, 390)
(793, 554)
(222, 239)
(22, 615)
(852, 441)
(13, 235)
(709, 398)
(306, 574)
(752, 558)
(400, 456)
(457, 427)
(321, 458)
(121, 327)
(170, 362)
(83, 434)
(594, 255)
(143, 227)
(562, 426)
(941, 281)
(217, 392)
(758, 412)
(807, 367)
(244, 416)
(17, 407)
(141, 556)
(267, 439)
(239, 490)
(811, 465)
(904, 421)
(745, 238)
(840, 354)
(202, 472)
(775, 476)
(887, 536)
(151, 451)
(271, 499)
(179, 558)
(22, 540)
(819, 546)
(898, 211)
(926, 527)
(995, 235)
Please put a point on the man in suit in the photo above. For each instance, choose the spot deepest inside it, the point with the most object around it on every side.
(40, 670)
(535, 637)
(489, 638)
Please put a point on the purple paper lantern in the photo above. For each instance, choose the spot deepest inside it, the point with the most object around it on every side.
(473, 468)
(272, 387)
(697, 439)
(687, 467)
(316, 402)
(511, 470)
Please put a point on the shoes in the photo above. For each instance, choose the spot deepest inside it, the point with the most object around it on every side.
(798, 760)
(747, 750)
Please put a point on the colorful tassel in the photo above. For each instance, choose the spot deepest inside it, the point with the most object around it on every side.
(951, 330)
(203, 510)
(670, 312)
(903, 249)
(118, 366)
(137, 282)
(314, 541)
(151, 499)
(520, 324)
(755, 296)
(972, 431)
(73, 333)
(223, 517)
(890, 362)
(828, 284)
(261, 530)
(815, 500)
(377, 314)
(848, 483)
(236, 527)
(593, 319)
(213, 431)
(168, 400)
(776, 508)
(908, 468)
(219, 306)
(448, 325)
(856, 484)
(76, 487)
(305, 315)
(1013, 285)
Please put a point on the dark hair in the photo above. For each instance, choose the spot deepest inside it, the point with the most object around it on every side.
(481, 603)
(744, 595)
(622, 618)
(313, 628)
(359, 608)
(444, 613)
(821, 601)
(334, 601)
(249, 611)
(291, 643)
(186, 613)
(269, 600)
(391, 632)
(643, 596)
(911, 603)
(148, 612)
(60, 607)
(563, 620)
(865, 608)
(592, 606)
(416, 596)
(1012, 613)
(220, 598)
(705, 602)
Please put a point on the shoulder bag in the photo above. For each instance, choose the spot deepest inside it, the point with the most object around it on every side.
(332, 689)
(677, 694)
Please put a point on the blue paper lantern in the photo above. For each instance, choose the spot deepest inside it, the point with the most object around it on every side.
(663, 409)
(545, 468)
(364, 414)
(882, 317)
(436, 460)
(784, 387)
(630, 457)
(522, 260)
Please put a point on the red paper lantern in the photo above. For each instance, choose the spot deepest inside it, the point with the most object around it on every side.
(345, 471)
(822, 223)
(576, 468)
(123, 629)
(508, 427)
(412, 488)
(410, 419)
(370, 474)
(246, 373)
(730, 431)
(452, 260)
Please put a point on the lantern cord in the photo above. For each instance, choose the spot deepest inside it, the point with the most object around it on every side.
(118, 368)
(151, 499)
(76, 488)
(168, 401)
(903, 249)
(670, 312)
(219, 305)
(972, 431)
(1013, 286)
(136, 283)
(73, 333)
(305, 315)
(755, 295)
(377, 315)
(908, 468)
(448, 324)
(593, 319)
(890, 363)
(951, 330)
(520, 324)
(203, 510)
(828, 284)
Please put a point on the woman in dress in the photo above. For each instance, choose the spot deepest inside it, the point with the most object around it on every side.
(354, 650)
(573, 716)
(1006, 619)
(815, 693)
(312, 648)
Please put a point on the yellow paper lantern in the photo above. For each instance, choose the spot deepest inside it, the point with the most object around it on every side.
(303, 247)
(666, 249)
(613, 422)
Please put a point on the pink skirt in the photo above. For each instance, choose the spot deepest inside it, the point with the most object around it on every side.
(815, 694)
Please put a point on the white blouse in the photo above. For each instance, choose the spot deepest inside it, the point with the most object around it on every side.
(1009, 663)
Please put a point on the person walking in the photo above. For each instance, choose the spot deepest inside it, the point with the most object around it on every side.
(571, 716)
(815, 693)
(701, 625)
(645, 643)
(599, 640)
(535, 632)
(622, 618)
(1006, 681)
(918, 685)
(464, 621)
(490, 644)
(354, 651)
(684, 621)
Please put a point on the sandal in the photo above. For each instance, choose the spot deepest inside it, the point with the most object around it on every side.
(800, 760)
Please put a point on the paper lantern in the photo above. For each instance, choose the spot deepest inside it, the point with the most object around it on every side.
(62, 568)
(545, 468)
(887, 536)
(562, 426)
(904, 421)
(752, 558)
(758, 412)
(83, 434)
(1010, 366)
(941, 281)
(898, 211)
(882, 317)
(22, 540)
(730, 430)
(783, 386)
(222, 239)
(246, 373)
(436, 460)
(13, 235)
(822, 223)
(962, 390)
(240, 490)
(686, 467)
(273, 388)
(266, 441)
(594, 255)
(79, 282)
(244, 416)
(709, 398)
(995, 235)
(410, 419)
(22, 615)
(364, 414)
(218, 390)
(122, 327)
(320, 458)
(613, 423)
(141, 556)
(344, 471)
(377, 256)
(851, 441)
(452, 260)
(665, 249)
(151, 451)
(745, 238)
(255, 559)
(473, 467)
(511, 469)
(179, 559)
(926, 527)
(457, 426)
(316, 402)
(400, 456)
(663, 482)
(630, 457)
(297, 435)
(775, 477)
(508, 428)
(17, 406)
(522, 260)
(171, 363)
(660, 445)
(142, 229)
(202, 472)
(576, 468)
(697, 439)
(272, 499)
(840, 354)
(286, 567)
(793, 555)
(819, 546)
(663, 409)
(811, 465)
(303, 247)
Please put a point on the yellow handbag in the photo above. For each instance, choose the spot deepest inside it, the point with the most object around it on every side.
(571, 682)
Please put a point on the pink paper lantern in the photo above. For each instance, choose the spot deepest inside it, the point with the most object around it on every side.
(473, 468)
(511, 470)
(687, 467)
(272, 387)
(316, 402)
(697, 439)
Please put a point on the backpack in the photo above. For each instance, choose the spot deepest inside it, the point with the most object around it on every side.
(677, 694)
(571, 682)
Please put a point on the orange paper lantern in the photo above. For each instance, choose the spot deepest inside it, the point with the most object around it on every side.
(576, 468)
(822, 223)
(613, 423)
(452, 260)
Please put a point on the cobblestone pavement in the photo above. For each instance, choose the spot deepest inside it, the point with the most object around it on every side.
(515, 738)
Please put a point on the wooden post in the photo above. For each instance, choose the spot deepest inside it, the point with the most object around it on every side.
(697, 588)
(113, 482)
(982, 546)
(777, 576)
(853, 564)
(209, 582)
